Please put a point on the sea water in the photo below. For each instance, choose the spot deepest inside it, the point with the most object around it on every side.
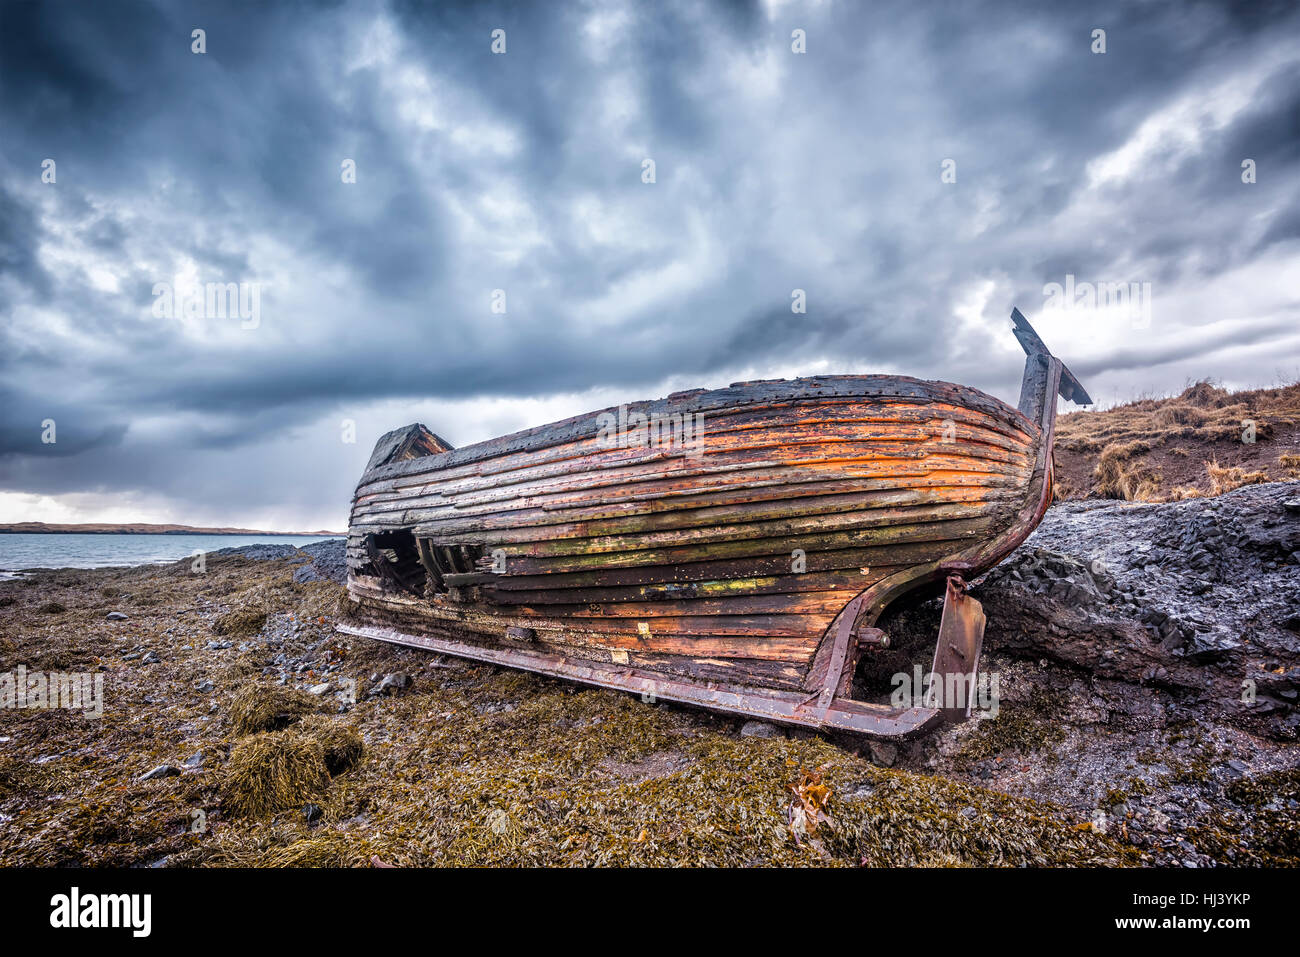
(82, 550)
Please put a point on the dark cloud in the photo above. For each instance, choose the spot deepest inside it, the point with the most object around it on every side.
(19, 236)
(523, 173)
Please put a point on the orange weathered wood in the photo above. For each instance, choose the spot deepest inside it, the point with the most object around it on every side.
(728, 561)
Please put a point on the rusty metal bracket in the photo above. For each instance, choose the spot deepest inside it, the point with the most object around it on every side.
(957, 653)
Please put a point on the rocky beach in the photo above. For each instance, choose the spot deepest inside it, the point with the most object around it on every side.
(1147, 665)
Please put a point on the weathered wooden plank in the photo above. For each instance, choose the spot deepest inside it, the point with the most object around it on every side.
(580, 427)
(570, 458)
(886, 454)
(408, 442)
(631, 537)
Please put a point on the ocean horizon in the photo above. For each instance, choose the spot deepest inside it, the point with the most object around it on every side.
(20, 551)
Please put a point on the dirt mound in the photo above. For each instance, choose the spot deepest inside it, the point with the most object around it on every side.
(1205, 441)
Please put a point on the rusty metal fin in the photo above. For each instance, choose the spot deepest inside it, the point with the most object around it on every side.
(957, 653)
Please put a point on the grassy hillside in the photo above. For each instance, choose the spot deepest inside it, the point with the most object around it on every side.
(1204, 441)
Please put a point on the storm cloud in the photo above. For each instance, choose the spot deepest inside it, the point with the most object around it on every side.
(918, 171)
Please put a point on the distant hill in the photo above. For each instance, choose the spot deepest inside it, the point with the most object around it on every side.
(1203, 442)
(140, 528)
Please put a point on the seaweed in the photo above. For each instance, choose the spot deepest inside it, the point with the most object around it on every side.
(272, 771)
(266, 707)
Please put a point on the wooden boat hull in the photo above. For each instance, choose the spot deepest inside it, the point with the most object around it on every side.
(729, 548)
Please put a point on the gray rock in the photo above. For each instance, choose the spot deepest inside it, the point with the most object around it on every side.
(760, 729)
(150, 658)
(116, 616)
(391, 684)
(328, 560)
(195, 760)
(162, 771)
(1183, 595)
(1211, 647)
(883, 753)
(205, 686)
(259, 552)
(319, 689)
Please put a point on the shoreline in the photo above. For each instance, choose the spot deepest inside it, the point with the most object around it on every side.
(146, 528)
(102, 531)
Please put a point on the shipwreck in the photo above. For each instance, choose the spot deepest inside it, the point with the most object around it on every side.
(732, 549)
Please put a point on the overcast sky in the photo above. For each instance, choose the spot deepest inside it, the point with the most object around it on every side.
(524, 171)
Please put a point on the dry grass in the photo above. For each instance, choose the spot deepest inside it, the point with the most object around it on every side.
(341, 744)
(332, 849)
(28, 778)
(1146, 450)
(1203, 413)
(1227, 479)
(1118, 475)
(470, 765)
(241, 622)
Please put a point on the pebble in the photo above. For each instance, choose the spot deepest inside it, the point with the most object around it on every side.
(162, 771)
(391, 684)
